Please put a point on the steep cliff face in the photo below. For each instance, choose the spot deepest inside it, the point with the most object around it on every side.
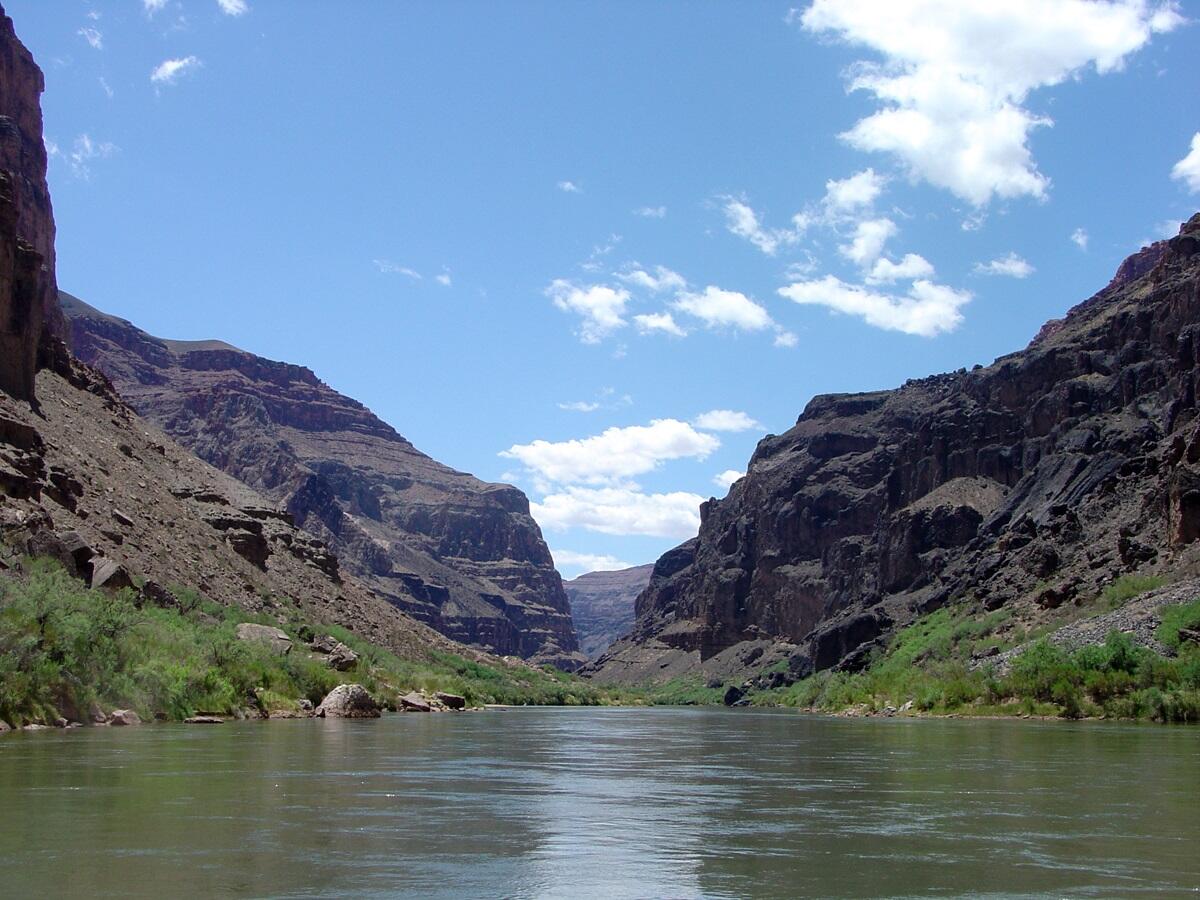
(28, 297)
(462, 555)
(602, 605)
(1031, 483)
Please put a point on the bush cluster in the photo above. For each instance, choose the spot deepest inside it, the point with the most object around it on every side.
(66, 650)
(927, 663)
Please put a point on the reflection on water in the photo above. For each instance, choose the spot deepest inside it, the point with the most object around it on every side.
(612, 803)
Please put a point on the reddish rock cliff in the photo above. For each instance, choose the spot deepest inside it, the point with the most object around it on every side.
(1029, 483)
(28, 297)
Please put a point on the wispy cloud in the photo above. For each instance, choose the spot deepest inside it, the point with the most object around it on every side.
(233, 7)
(153, 6)
(1079, 237)
(1187, 169)
(657, 280)
(171, 70)
(1009, 265)
(607, 398)
(84, 151)
(387, 267)
(569, 187)
(742, 219)
(651, 212)
(93, 36)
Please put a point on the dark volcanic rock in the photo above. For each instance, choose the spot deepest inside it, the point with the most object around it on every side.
(1031, 482)
(602, 605)
(460, 554)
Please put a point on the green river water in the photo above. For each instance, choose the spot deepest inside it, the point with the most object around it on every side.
(604, 803)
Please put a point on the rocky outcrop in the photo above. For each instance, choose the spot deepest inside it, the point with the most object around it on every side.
(1028, 484)
(602, 605)
(462, 555)
(28, 297)
(348, 701)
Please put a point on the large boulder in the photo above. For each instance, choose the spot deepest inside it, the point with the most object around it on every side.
(268, 635)
(124, 717)
(414, 702)
(348, 701)
(451, 701)
(338, 656)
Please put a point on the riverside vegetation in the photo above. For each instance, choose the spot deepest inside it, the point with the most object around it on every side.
(938, 666)
(66, 649)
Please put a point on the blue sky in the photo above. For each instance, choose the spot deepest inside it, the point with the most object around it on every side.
(600, 249)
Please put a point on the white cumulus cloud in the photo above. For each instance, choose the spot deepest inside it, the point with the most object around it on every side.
(1009, 265)
(233, 7)
(727, 478)
(1079, 238)
(785, 338)
(1187, 169)
(956, 75)
(912, 266)
(569, 187)
(153, 6)
(601, 308)
(588, 562)
(725, 420)
(926, 310)
(868, 242)
(718, 308)
(657, 281)
(661, 322)
(615, 454)
(859, 191)
(621, 511)
(170, 70)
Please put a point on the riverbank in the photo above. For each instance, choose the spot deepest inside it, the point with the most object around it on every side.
(1139, 661)
(73, 655)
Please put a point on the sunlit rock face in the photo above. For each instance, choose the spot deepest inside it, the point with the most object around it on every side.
(455, 552)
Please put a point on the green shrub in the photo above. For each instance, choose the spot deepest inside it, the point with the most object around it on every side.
(1174, 618)
(1129, 586)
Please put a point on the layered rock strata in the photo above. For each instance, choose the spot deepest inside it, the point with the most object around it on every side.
(457, 553)
(602, 605)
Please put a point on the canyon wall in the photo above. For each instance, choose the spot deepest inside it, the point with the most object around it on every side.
(1032, 482)
(455, 552)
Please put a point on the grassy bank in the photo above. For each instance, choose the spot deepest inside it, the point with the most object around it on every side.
(65, 649)
(928, 663)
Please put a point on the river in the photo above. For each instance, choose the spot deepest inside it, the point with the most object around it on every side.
(603, 802)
